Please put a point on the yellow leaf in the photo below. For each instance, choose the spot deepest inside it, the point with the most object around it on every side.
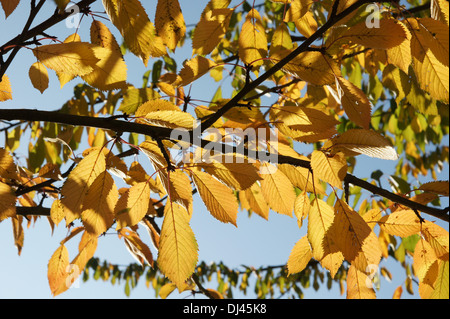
(98, 205)
(138, 32)
(218, 198)
(281, 39)
(102, 36)
(355, 103)
(134, 97)
(257, 202)
(302, 206)
(440, 11)
(178, 250)
(441, 285)
(72, 58)
(301, 177)
(331, 169)
(298, 9)
(357, 241)
(57, 270)
(169, 22)
(77, 184)
(210, 30)
(7, 201)
(437, 237)
(133, 205)
(437, 187)
(400, 55)
(424, 257)
(193, 69)
(300, 256)
(171, 119)
(359, 141)
(397, 293)
(7, 166)
(432, 75)
(39, 76)
(389, 34)
(137, 248)
(252, 40)
(401, 223)
(359, 285)
(86, 250)
(307, 24)
(278, 190)
(178, 188)
(307, 66)
(109, 73)
(306, 119)
(435, 36)
(9, 6)
(5, 89)
(166, 290)
(323, 243)
(238, 176)
(57, 212)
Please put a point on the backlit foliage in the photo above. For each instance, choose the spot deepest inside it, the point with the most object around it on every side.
(348, 79)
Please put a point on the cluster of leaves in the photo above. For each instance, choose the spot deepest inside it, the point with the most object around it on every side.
(327, 80)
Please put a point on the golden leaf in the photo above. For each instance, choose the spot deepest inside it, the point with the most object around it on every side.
(38, 76)
(5, 89)
(437, 237)
(432, 74)
(7, 166)
(401, 223)
(137, 248)
(389, 34)
(424, 257)
(57, 212)
(355, 103)
(102, 36)
(72, 58)
(77, 184)
(301, 177)
(133, 205)
(299, 257)
(193, 69)
(281, 39)
(298, 9)
(359, 285)
(359, 141)
(252, 40)
(178, 188)
(169, 22)
(441, 286)
(133, 23)
(178, 250)
(355, 238)
(99, 203)
(323, 243)
(400, 55)
(307, 66)
(57, 270)
(257, 202)
(331, 169)
(238, 176)
(210, 30)
(302, 206)
(218, 198)
(437, 187)
(171, 119)
(109, 73)
(278, 190)
(7, 201)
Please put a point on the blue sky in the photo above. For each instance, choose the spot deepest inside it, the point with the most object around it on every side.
(255, 242)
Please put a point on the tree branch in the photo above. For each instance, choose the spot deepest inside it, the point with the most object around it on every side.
(166, 133)
(16, 43)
